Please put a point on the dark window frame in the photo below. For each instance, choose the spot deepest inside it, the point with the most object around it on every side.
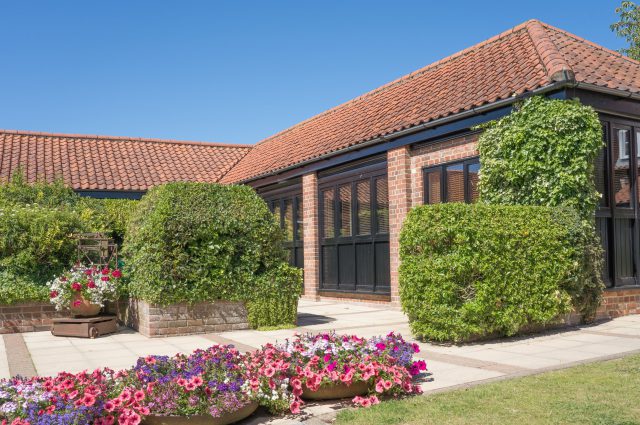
(380, 285)
(442, 170)
(279, 196)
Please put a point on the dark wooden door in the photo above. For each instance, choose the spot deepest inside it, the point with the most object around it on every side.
(354, 230)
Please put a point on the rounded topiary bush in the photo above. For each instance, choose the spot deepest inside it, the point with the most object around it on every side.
(204, 242)
(471, 271)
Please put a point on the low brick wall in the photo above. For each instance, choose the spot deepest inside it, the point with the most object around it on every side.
(181, 319)
(619, 302)
(27, 317)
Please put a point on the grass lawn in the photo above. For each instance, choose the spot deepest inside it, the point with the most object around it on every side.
(597, 393)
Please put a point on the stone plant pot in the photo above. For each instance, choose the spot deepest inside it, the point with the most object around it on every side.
(335, 391)
(85, 309)
(225, 419)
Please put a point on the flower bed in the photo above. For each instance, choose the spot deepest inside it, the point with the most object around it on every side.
(219, 384)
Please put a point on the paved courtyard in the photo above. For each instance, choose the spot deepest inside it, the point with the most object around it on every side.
(449, 366)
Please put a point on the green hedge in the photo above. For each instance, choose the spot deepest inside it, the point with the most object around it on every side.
(471, 271)
(35, 246)
(16, 191)
(203, 242)
(36, 224)
(108, 215)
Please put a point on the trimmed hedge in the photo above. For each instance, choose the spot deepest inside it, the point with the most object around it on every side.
(472, 271)
(204, 242)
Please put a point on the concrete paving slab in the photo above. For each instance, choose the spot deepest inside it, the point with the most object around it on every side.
(449, 365)
(4, 364)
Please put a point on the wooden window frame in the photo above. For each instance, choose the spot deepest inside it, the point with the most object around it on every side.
(442, 168)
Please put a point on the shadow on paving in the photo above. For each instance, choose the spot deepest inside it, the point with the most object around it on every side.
(308, 319)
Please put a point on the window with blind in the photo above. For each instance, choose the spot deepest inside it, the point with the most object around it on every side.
(354, 233)
(452, 182)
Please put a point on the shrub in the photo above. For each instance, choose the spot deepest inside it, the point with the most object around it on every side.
(470, 271)
(110, 216)
(203, 242)
(16, 191)
(36, 224)
(35, 241)
(277, 303)
(17, 289)
(544, 154)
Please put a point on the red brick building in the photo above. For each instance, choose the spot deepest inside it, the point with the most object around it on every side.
(342, 182)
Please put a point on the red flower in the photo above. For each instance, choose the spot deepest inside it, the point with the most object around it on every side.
(76, 286)
(53, 294)
(117, 274)
(88, 400)
(91, 284)
(105, 271)
(104, 278)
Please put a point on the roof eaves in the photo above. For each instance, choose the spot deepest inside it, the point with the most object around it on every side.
(474, 110)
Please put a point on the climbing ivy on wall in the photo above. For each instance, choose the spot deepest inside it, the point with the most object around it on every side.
(544, 153)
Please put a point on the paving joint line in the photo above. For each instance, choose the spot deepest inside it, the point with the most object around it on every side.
(218, 339)
(459, 360)
(307, 329)
(18, 356)
(615, 334)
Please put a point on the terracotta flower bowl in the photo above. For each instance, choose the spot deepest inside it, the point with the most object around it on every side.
(335, 391)
(85, 308)
(225, 419)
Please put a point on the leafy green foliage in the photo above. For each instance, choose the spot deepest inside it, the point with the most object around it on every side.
(203, 242)
(36, 224)
(276, 300)
(542, 154)
(628, 27)
(35, 245)
(470, 271)
(108, 215)
(16, 289)
(16, 191)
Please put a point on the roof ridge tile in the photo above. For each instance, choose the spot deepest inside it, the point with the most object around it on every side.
(558, 69)
(124, 138)
(590, 43)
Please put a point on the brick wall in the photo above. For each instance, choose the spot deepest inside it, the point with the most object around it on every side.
(182, 319)
(619, 302)
(310, 235)
(438, 153)
(399, 181)
(27, 317)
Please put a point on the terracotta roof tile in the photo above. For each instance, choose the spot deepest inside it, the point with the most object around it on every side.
(527, 57)
(114, 163)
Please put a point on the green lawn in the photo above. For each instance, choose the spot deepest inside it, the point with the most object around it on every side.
(598, 393)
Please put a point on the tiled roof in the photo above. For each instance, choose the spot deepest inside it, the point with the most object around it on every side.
(113, 163)
(527, 57)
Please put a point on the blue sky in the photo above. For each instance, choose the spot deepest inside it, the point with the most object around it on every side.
(235, 71)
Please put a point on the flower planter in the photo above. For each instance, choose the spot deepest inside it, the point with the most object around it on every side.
(335, 391)
(84, 308)
(225, 419)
